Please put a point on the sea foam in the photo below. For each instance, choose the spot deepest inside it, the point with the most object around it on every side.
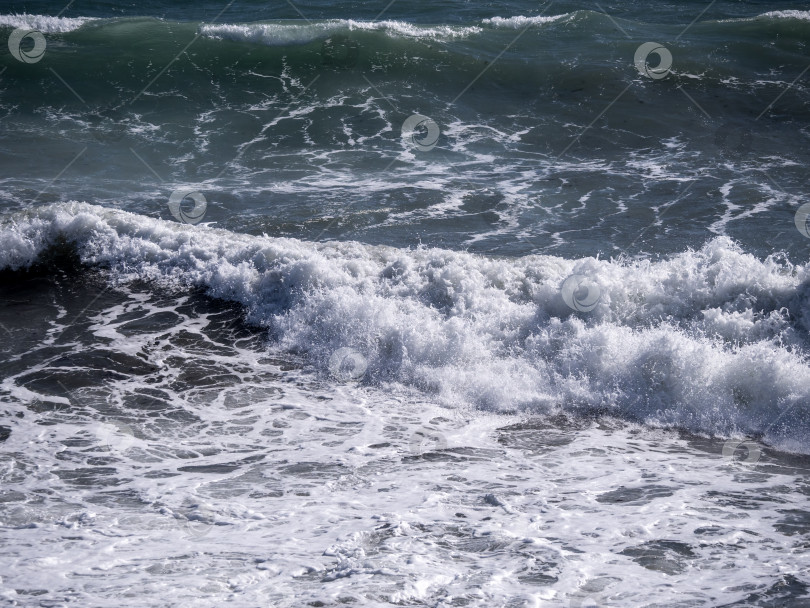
(523, 21)
(712, 340)
(44, 23)
(280, 34)
(790, 14)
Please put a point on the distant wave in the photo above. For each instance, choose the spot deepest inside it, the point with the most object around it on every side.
(803, 15)
(291, 32)
(302, 33)
(44, 23)
(773, 15)
(278, 34)
(520, 21)
(713, 340)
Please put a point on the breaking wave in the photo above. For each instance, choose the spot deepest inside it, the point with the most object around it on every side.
(712, 340)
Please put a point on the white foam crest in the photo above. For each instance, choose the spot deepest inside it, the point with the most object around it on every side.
(791, 14)
(403, 28)
(279, 34)
(519, 21)
(713, 339)
(784, 14)
(44, 23)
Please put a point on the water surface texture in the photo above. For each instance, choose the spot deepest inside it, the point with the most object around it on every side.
(413, 303)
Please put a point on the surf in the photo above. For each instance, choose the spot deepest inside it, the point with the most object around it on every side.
(712, 340)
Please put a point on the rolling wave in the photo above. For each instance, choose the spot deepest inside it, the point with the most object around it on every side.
(793, 14)
(523, 21)
(44, 23)
(397, 48)
(713, 340)
(300, 32)
(280, 34)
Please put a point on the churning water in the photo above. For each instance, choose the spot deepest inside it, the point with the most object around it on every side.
(427, 304)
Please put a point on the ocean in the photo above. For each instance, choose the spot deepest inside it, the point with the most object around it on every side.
(450, 303)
